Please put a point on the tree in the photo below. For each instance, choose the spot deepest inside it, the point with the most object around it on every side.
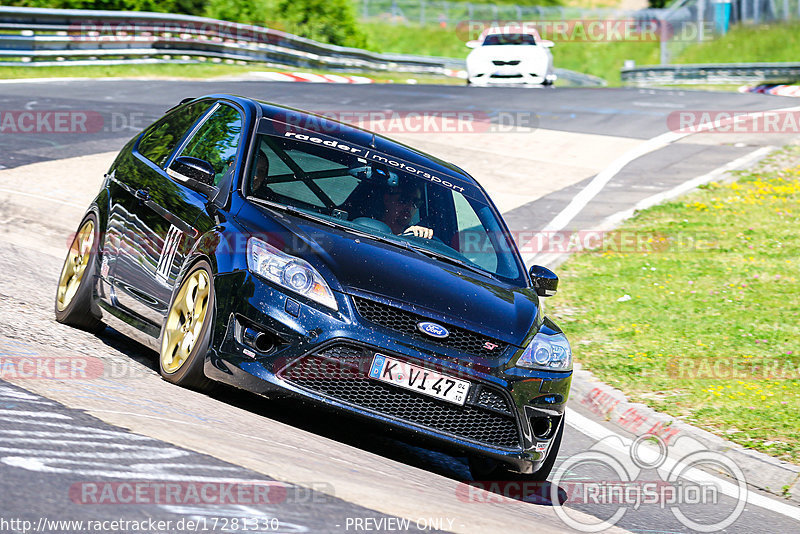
(329, 21)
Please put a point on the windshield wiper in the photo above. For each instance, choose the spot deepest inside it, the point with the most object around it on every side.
(451, 260)
(304, 214)
(295, 211)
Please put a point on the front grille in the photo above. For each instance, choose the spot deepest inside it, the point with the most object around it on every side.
(501, 63)
(506, 76)
(341, 373)
(406, 322)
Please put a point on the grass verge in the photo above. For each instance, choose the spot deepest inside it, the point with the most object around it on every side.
(778, 42)
(705, 325)
(197, 71)
(748, 44)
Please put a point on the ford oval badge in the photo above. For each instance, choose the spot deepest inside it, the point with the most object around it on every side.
(433, 330)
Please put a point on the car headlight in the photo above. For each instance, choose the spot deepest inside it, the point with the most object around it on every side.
(547, 352)
(288, 271)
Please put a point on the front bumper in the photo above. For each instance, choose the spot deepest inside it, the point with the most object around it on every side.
(492, 76)
(324, 356)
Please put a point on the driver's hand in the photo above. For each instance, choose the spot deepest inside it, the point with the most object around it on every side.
(419, 231)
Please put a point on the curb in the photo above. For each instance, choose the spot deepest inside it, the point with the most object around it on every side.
(309, 77)
(776, 90)
(613, 406)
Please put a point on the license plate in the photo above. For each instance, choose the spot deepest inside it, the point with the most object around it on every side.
(506, 71)
(425, 381)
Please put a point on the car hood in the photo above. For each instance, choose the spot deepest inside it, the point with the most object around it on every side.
(423, 285)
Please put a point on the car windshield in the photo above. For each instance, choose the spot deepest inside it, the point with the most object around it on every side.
(496, 39)
(377, 194)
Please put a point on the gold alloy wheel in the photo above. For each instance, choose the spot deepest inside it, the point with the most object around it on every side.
(75, 265)
(185, 321)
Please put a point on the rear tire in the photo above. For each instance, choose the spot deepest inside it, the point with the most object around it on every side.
(186, 333)
(74, 304)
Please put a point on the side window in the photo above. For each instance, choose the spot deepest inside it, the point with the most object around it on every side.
(217, 140)
(473, 241)
(160, 139)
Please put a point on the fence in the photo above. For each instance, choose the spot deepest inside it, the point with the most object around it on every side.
(700, 20)
(683, 23)
(451, 13)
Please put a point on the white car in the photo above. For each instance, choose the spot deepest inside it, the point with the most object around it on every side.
(503, 57)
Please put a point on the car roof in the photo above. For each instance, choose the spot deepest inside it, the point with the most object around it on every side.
(350, 134)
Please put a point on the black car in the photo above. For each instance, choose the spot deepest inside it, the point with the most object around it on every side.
(287, 254)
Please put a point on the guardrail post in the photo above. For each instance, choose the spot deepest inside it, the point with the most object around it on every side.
(663, 40)
(701, 15)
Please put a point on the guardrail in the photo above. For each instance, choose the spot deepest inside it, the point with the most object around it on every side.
(65, 34)
(44, 37)
(712, 73)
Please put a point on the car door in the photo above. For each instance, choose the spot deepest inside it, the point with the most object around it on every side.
(162, 206)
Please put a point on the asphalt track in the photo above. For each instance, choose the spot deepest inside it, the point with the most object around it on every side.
(59, 436)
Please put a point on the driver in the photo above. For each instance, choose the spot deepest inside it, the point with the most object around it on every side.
(400, 205)
(260, 172)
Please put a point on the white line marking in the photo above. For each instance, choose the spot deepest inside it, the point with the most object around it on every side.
(142, 453)
(593, 188)
(597, 432)
(613, 220)
(82, 443)
(35, 414)
(551, 259)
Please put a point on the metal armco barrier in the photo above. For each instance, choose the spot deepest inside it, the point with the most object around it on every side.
(39, 37)
(712, 73)
(65, 34)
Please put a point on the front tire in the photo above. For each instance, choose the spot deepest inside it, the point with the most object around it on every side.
(487, 469)
(75, 294)
(186, 334)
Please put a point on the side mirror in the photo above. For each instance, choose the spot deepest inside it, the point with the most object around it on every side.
(546, 44)
(545, 281)
(473, 44)
(195, 169)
